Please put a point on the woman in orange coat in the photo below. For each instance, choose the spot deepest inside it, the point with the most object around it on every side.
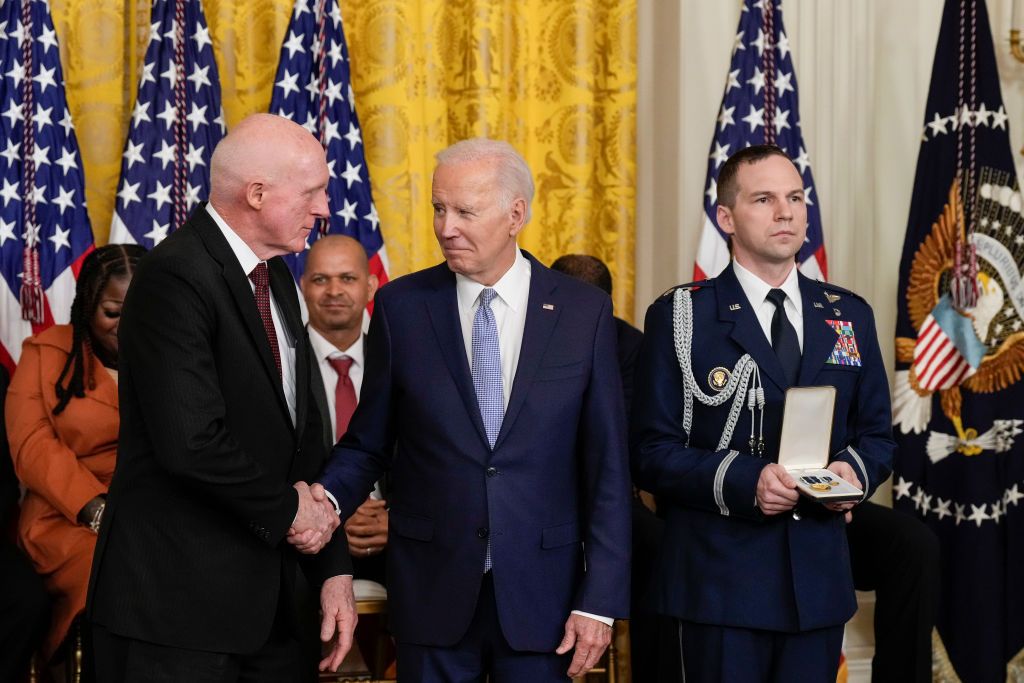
(62, 424)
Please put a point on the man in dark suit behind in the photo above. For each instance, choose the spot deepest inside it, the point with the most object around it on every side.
(337, 285)
(593, 271)
(652, 637)
(191, 578)
(492, 393)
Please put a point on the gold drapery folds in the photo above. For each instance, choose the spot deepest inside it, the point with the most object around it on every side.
(556, 78)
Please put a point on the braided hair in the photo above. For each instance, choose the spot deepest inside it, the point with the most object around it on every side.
(110, 261)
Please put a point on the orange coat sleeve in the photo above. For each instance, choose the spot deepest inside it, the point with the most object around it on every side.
(43, 463)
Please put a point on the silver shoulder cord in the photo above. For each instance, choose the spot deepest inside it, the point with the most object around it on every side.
(744, 381)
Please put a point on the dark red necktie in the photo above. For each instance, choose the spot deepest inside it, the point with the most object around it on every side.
(344, 395)
(261, 279)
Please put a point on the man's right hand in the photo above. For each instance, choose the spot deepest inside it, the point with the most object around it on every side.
(776, 490)
(315, 522)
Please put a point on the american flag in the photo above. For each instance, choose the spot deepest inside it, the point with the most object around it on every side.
(313, 87)
(959, 371)
(176, 123)
(760, 106)
(44, 228)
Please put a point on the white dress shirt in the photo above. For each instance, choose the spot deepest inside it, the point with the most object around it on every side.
(509, 308)
(757, 290)
(286, 344)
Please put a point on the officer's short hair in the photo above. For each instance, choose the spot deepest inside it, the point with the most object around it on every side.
(728, 187)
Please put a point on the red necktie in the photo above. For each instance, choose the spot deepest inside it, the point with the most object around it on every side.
(261, 279)
(344, 395)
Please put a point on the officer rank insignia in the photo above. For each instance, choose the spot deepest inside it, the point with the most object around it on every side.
(845, 352)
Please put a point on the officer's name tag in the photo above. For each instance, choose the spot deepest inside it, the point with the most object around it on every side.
(804, 446)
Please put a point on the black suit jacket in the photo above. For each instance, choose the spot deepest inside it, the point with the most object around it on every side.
(191, 553)
(629, 340)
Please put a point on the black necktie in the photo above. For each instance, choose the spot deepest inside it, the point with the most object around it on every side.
(784, 339)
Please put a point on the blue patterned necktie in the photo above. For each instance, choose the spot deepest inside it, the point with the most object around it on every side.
(487, 367)
(487, 377)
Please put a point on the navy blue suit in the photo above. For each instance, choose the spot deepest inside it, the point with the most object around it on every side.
(724, 563)
(552, 496)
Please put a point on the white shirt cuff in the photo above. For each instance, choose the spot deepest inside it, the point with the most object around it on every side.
(604, 620)
(334, 502)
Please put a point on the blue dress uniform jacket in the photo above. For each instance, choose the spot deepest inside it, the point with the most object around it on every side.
(552, 496)
(722, 561)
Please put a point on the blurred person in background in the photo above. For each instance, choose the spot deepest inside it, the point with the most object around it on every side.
(62, 424)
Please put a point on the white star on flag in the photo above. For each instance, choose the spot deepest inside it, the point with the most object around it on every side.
(311, 63)
(44, 228)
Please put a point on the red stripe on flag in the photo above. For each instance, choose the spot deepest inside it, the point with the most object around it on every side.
(935, 365)
(76, 265)
(948, 378)
(6, 360)
(377, 268)
(819, 256)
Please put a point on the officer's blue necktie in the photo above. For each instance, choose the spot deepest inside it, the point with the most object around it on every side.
(487, 376)
(784, 339)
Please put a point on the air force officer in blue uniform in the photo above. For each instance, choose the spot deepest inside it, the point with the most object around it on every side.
(758, 576)
(492, 393)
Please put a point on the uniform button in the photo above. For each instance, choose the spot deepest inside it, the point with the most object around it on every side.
(482, 532)
(491, 471)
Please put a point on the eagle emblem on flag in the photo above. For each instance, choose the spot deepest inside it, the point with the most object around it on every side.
(978, 348)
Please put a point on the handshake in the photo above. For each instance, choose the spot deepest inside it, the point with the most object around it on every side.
(315, 520)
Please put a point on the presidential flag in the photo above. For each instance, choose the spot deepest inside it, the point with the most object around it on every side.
(44, 228)
(313, 87)
(760, 106)
(176, 123)
(958, 398)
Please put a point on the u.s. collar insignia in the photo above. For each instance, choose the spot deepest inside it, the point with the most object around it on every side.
(718, 378)
(832, 298)
(734, 307)
(818, 304)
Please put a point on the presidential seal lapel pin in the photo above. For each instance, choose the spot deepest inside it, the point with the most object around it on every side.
(718, 378)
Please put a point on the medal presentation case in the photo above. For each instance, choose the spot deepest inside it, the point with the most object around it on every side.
(804, 446)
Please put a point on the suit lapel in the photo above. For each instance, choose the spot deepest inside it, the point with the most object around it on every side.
(540, 323)
(320, 398)
(241, 291)
(283, 288)
(443, 309)
(819, 337)
(746, 329)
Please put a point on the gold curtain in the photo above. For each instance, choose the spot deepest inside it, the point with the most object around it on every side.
(556, 78)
